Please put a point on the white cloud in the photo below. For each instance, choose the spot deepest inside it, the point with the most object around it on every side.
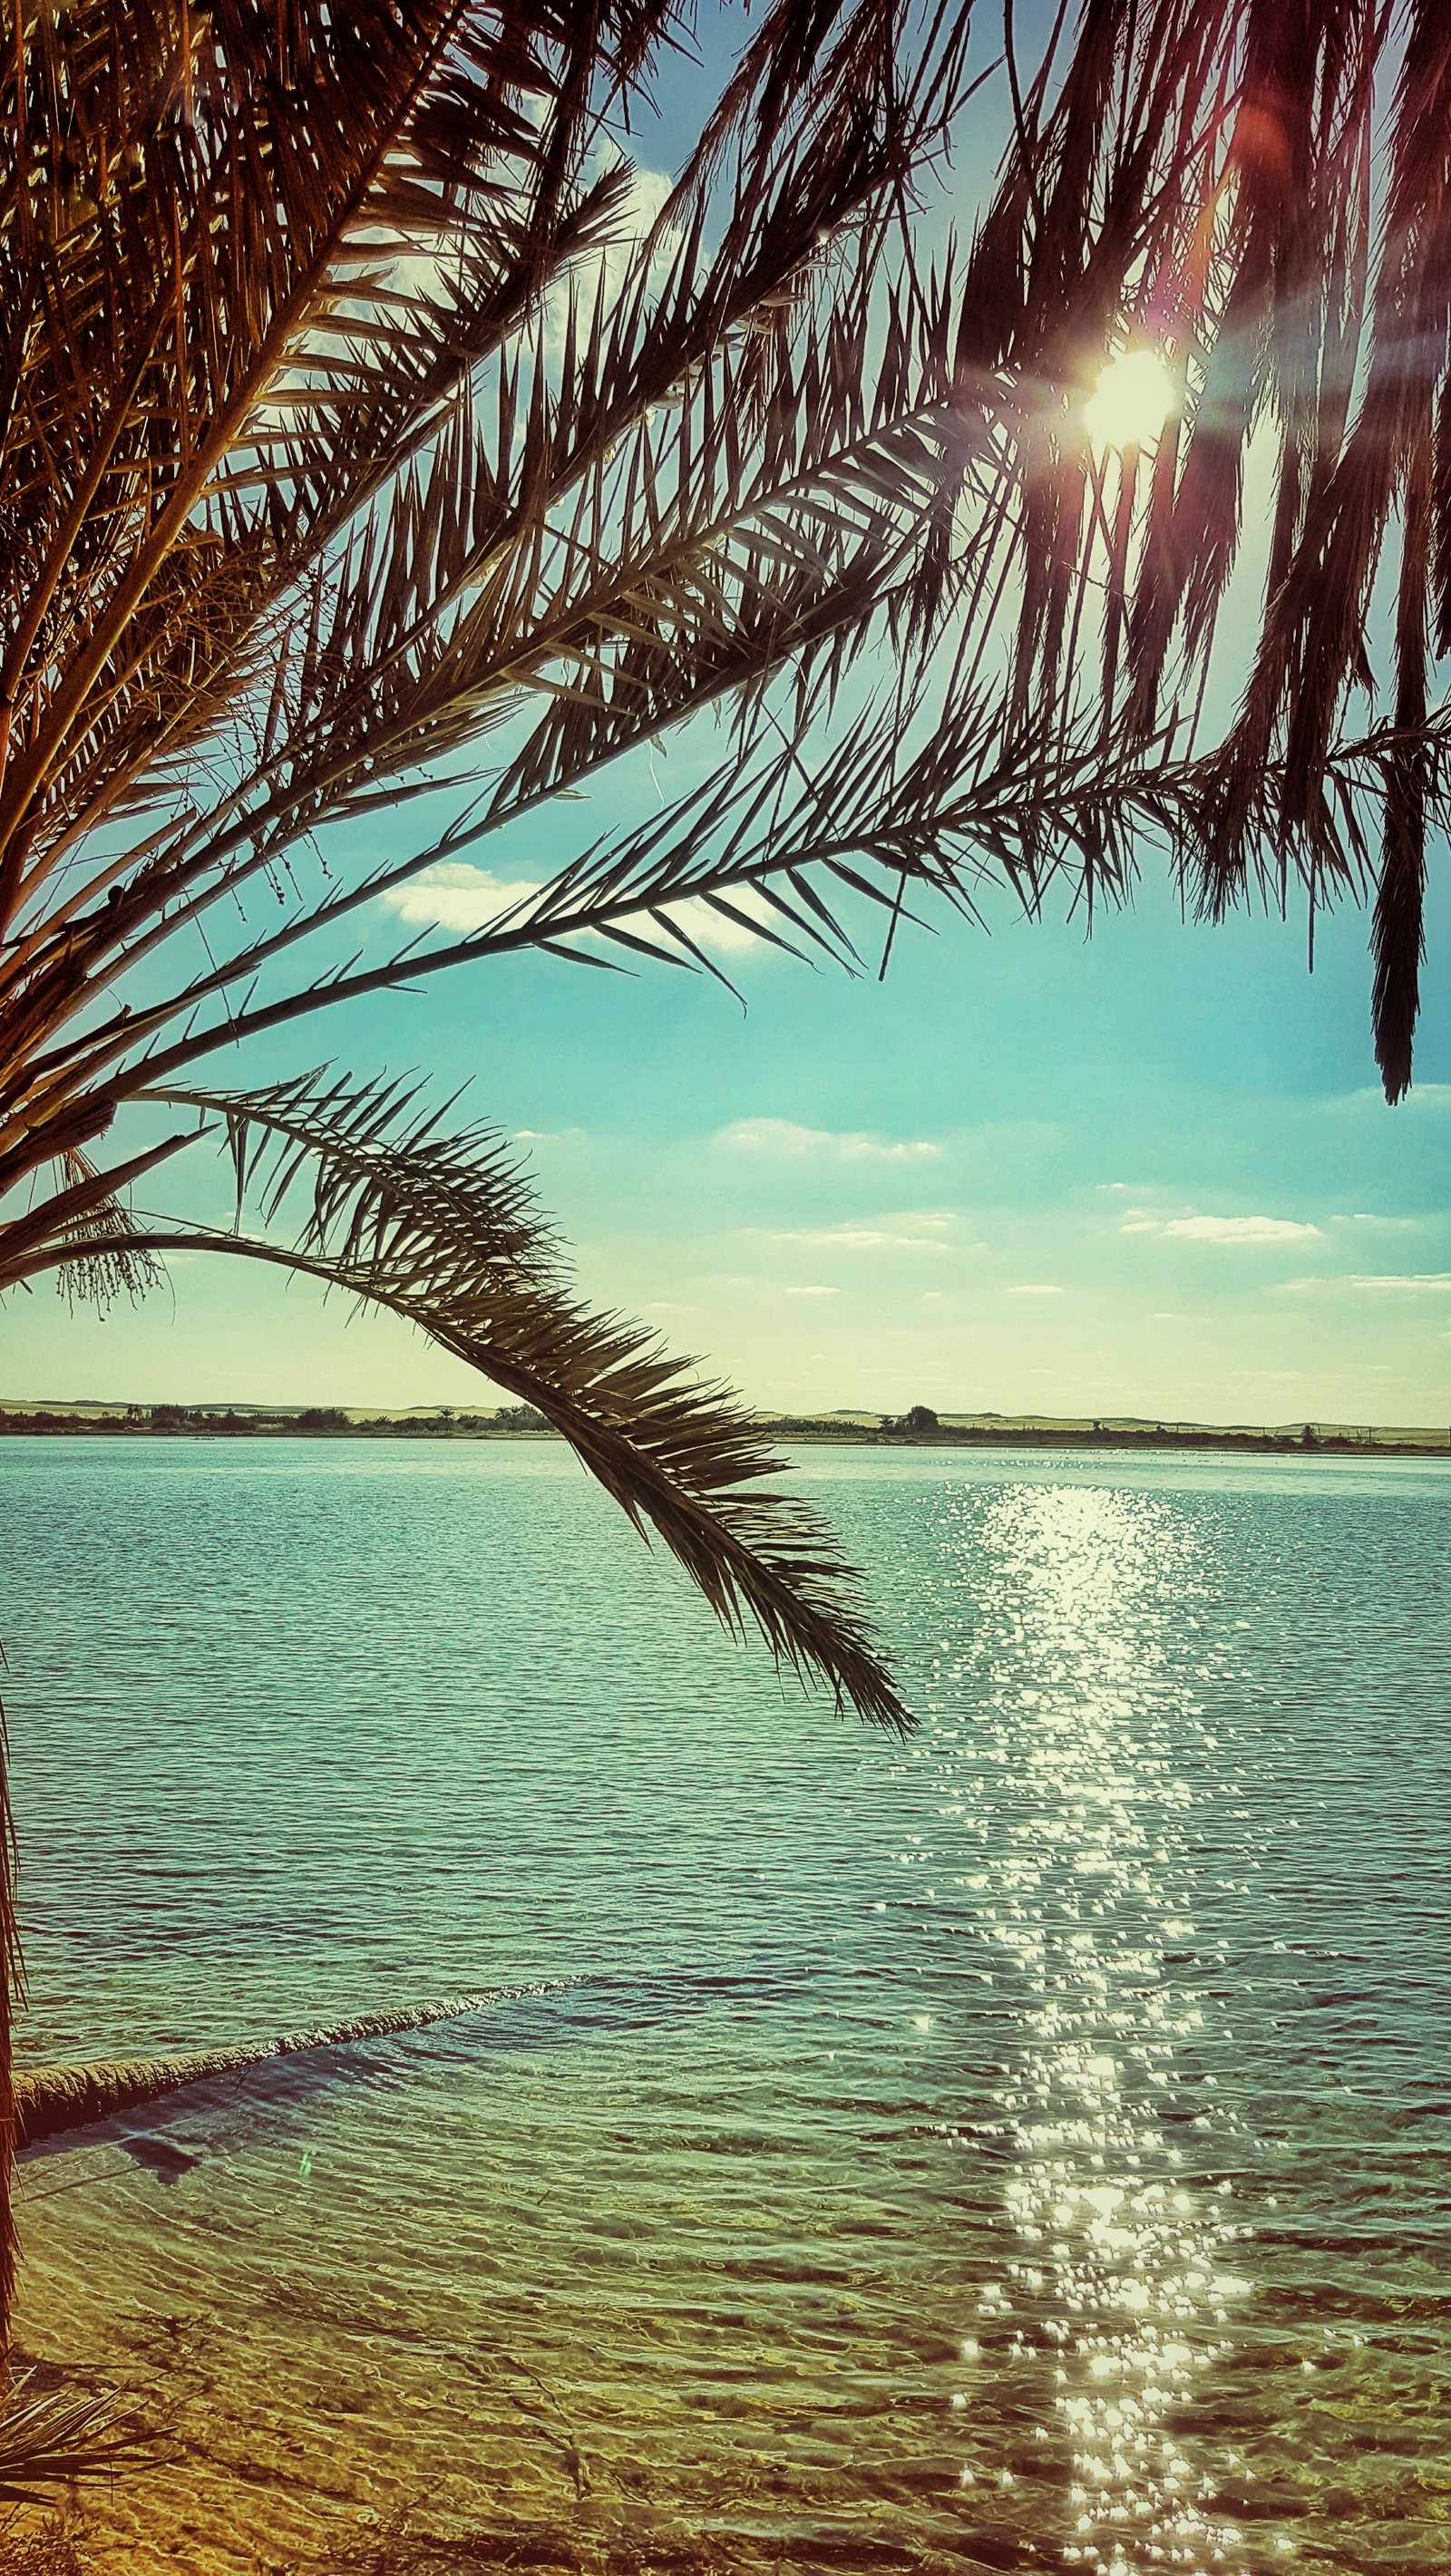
(1414, 1282)
(887, 1234)
(1366, 1283)
(866, 1238)
(465, 900)
(452, 896)
(1242, 1229)
(783, 1138)
(811, 1292)
(710, 929)
(1035, 1288)
(1222, 1229)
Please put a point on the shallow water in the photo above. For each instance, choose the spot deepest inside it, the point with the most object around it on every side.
(1028, 2148)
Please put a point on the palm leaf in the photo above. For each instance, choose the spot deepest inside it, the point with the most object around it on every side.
(55, 2437)
(444, 1230)
(384, 513)
(52, 2101)
(396, 522)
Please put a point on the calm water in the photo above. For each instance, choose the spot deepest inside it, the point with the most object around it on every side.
(1030, 2148)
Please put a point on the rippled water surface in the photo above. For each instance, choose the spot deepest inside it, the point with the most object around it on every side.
(1026, 2148)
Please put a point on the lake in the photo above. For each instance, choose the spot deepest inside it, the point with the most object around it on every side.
(1026, 2147)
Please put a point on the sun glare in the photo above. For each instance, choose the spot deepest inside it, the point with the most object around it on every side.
(1131, 401)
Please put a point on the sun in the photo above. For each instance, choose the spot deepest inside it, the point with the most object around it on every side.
(1131, 401)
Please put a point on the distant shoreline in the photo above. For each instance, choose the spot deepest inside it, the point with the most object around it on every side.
(1282, 1444)
(172, 1422)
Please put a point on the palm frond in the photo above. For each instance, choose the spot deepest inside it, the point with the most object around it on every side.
(229, 249)
(444, 1230)
(53, 2101)
(336, 519)
(1262, 194)
(58, 2437)
(373, 520)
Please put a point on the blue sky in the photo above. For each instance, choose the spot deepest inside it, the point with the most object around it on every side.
(1147, 1174)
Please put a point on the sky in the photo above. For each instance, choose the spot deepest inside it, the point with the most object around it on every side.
(1148, 1173)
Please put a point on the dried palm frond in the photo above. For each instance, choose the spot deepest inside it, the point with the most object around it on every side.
(12, 1997)
(57, 2436)
(51, 2101)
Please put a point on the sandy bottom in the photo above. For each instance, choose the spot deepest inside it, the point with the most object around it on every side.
(618, 2383)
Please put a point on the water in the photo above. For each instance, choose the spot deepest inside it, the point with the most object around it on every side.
(1028, 2148)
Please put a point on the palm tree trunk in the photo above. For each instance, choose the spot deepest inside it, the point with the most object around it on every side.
(49, 2101)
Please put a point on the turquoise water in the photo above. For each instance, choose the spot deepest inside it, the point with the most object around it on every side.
(1030, 2147)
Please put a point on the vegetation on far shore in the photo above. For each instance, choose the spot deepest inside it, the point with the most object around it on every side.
(918, 1427)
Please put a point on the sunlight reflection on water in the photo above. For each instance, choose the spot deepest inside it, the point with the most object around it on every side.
(1122, 2276)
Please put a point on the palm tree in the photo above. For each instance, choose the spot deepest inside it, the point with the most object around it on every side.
(351, 414)
(354, 415)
